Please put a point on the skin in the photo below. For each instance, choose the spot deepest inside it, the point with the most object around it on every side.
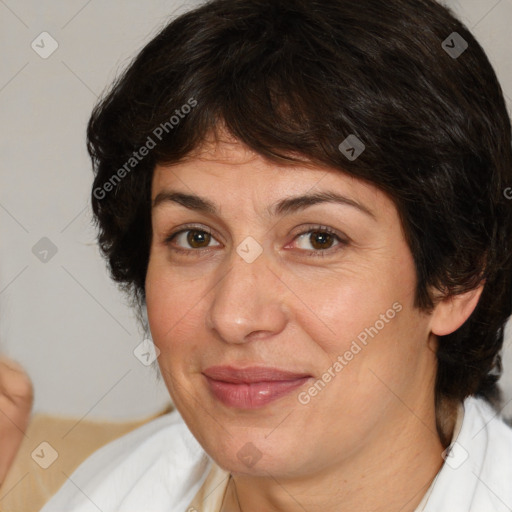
(16, 399)
(368, 440)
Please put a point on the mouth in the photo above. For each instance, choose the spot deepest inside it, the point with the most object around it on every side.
(252, 387)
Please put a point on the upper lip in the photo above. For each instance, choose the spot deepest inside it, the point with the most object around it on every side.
(251, 374)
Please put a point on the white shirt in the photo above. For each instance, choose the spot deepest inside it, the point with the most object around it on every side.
(160, 467)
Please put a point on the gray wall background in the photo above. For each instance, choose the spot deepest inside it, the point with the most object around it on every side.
(60, 315)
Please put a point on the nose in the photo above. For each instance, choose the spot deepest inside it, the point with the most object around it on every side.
(247, 302)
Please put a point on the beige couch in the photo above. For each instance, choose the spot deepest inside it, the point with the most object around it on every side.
(52, 448)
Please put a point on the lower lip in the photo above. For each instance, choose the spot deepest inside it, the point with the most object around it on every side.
(253, 395)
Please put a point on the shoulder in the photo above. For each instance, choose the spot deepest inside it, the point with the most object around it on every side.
(160, 460)
(486, 427)
(490, 432)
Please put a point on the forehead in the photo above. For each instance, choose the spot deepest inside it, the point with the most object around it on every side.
(228, 172)
(223, 148)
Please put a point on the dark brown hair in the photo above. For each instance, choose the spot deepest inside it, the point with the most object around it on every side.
(297, 77)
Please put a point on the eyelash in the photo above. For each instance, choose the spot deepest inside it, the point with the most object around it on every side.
(313, 229)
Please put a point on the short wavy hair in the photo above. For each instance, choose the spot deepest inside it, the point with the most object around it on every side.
(292, 79)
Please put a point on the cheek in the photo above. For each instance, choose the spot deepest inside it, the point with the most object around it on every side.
(378, 353)
(350, 307)
(173, 305)
(365, 331)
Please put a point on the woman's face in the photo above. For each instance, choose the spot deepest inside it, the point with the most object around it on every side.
(286, 328)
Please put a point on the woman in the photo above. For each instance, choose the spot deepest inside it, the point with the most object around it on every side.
(307, 197)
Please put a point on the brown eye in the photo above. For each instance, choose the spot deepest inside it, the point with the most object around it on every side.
(198, 239)
(321, 240)
(189, 240)
(318, 241)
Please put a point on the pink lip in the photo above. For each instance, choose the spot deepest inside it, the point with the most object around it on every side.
(252, 387)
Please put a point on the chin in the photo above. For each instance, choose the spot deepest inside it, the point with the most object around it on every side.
(253, 454)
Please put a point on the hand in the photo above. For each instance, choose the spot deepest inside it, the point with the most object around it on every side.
(16, 399)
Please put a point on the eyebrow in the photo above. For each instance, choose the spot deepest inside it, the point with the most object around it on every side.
(283, 207)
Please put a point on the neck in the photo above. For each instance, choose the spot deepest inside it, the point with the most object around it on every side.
(446, 413)
(391, 473)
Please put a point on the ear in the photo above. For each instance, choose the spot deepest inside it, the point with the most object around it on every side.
(451, 312)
